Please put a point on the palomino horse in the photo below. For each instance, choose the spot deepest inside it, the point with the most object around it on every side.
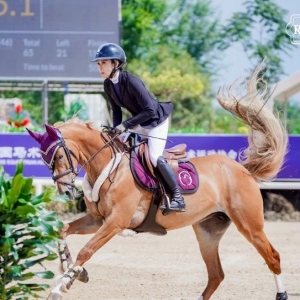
(228, 190)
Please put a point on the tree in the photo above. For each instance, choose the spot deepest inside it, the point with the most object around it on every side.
(193, 27)
(141, 30)
(180, 25)
(261, 32)
(177, 79)
(166, 55)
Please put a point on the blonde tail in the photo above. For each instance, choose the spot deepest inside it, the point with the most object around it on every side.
(267, 137)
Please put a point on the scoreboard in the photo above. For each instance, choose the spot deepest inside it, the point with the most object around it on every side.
(55, 39)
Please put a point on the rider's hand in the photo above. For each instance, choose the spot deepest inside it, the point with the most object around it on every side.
(120, 128)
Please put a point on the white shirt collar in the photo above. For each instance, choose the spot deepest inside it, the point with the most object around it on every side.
(115, 79)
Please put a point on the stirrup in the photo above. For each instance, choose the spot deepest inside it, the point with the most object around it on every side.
(168, 209)
(180, 206)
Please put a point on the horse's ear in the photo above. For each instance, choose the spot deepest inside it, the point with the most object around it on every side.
(51, 131)
(35, 135)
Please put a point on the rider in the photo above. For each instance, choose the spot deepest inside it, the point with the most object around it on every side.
(149, 117)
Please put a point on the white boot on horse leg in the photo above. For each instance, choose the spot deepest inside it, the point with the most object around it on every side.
(65, 257)
(67, 263)
(281, 292)
(56, 293)
(64, 283)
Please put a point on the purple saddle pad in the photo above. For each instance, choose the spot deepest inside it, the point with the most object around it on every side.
(187, 176)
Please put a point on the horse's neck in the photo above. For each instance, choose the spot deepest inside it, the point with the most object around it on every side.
(95, 157)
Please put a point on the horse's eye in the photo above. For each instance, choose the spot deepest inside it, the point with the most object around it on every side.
(60, 156)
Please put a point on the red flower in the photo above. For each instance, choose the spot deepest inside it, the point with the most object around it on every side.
(17, 124)
(25, 122)
(18, 108)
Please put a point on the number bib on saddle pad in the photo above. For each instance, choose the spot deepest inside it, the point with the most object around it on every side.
(187, 176)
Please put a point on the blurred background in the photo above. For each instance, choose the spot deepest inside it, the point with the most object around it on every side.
(184, 50)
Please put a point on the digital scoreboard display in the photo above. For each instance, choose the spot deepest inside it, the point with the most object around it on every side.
(54, 39)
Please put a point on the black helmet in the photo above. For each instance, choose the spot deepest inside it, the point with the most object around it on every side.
(110, 51)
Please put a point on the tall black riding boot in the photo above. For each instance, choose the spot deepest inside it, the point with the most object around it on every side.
(165, 170)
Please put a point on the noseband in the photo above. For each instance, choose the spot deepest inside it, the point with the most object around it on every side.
(61, 144)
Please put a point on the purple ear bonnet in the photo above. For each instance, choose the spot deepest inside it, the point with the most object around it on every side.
(49, 147)
(49, 142)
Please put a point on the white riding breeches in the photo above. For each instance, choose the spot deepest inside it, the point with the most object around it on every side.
(157, 138)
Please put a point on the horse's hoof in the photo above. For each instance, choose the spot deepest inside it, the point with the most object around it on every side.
(282, 296)
(54, 296)
(83, 276)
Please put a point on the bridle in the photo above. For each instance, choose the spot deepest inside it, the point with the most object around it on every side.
(61, 144)
(108, 142)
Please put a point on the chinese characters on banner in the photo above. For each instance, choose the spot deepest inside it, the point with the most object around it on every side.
(16, 147)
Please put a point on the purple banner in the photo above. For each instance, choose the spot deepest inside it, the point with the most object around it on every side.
(15, 147)
(231, 145)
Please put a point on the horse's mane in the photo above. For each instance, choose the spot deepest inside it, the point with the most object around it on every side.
(75, 120)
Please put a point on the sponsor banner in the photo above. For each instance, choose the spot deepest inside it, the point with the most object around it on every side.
(232, 146)
(16, 147)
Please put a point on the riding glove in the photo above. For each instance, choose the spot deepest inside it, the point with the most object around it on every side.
(120, 128)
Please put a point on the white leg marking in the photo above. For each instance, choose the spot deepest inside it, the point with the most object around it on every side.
(279, 284)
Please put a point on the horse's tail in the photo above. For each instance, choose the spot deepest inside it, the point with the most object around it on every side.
(267, 138)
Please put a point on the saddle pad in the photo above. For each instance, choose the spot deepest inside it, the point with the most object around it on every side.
(187, 176)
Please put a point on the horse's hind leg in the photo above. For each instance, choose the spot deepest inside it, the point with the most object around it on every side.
(209, 233)
(272, 258)
(249, 222)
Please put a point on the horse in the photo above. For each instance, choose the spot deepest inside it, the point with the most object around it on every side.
(228, 191)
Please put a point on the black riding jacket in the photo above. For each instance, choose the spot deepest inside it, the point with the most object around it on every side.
(132, 94)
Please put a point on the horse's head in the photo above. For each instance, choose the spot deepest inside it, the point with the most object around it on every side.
(59, 158)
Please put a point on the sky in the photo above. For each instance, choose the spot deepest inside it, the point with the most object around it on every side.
(234, 60)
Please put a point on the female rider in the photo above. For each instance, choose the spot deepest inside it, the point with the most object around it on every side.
(148, 116)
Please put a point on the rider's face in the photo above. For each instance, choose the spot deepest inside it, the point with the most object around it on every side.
(105, 67)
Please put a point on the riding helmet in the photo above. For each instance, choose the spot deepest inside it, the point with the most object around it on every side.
(110, 51)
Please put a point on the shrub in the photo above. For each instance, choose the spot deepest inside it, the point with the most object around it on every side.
(28, 236)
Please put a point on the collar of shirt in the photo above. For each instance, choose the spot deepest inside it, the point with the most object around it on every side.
(115, 79)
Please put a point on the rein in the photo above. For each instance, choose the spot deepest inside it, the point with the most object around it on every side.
(108, 143)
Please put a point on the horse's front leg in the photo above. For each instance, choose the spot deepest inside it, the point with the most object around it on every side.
(85, 225)
(110, 227)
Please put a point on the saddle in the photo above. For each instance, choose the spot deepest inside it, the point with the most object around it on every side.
(144, 174)
(172, 155)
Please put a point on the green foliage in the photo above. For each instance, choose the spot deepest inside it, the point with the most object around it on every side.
(181, 26)
(261, 32)
(77, 108)
(224, 122)
(292, 115)
(8, 128)
(28, 233)
(32, 102)
(56, 100)
(193, 27)
(141, 30)
(176, 48)
(176, 78)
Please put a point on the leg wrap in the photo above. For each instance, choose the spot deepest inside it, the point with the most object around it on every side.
(64, 256)
(68, 278)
